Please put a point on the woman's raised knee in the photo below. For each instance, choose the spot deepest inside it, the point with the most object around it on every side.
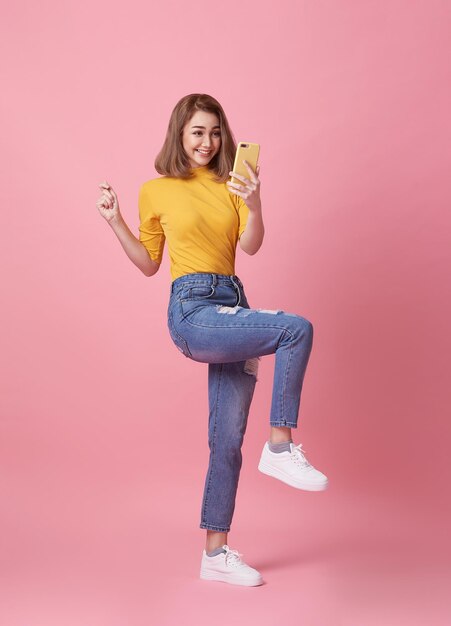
(304, 327)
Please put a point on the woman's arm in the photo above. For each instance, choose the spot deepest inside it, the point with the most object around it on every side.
(108, 206)
(252, 237)
(134, 249)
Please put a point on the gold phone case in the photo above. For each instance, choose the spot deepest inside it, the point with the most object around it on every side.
(249, 151)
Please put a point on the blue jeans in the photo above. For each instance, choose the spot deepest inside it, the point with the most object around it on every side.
(210, 321)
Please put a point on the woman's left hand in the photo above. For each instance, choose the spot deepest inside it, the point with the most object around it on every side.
(250, 190)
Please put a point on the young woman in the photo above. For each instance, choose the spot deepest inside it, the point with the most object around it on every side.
(203, 216)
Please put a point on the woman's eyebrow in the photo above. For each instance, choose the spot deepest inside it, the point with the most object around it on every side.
(204, 127)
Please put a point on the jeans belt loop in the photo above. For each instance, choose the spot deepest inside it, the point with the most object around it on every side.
(237, 287)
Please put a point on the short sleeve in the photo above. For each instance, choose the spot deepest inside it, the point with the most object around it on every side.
(243, 213)
(151, 233)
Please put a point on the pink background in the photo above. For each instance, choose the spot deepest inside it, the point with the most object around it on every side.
(104, 423)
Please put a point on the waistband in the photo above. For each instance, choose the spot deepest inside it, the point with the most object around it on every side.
(211, 279)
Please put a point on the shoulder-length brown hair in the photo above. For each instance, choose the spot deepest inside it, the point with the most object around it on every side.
(172, 159)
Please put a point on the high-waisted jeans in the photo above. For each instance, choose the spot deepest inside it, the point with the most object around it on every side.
(210, 321)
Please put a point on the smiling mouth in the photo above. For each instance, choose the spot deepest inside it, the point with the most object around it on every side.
(203, 152)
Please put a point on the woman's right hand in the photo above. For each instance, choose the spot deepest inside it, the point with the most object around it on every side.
(108, 204)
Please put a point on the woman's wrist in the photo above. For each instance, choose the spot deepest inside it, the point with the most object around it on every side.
(116, 222)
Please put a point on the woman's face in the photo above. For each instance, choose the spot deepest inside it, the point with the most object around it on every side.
(202, 138)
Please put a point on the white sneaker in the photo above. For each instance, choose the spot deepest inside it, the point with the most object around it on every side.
(292, 468)
(228, 567)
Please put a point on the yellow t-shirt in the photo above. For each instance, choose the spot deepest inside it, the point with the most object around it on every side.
(200, 218)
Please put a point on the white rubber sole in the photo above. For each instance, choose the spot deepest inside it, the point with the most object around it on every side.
(228, 578)
(275, 472)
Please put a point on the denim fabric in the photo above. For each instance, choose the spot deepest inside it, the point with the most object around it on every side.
(210, 321)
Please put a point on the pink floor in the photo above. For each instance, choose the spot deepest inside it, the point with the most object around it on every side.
(96, 552)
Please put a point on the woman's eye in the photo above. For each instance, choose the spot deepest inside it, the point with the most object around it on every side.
(198, 132)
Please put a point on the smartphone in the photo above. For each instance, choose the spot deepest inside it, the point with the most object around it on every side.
(249, 151)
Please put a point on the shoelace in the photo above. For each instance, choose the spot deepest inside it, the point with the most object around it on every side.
(298, 457)
(232, 557)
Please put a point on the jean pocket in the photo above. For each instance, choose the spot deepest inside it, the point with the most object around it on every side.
(177, 339)
(200, 292)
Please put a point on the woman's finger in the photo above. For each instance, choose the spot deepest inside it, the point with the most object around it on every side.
(106, 202)
(235, 175)
(252, 173)
(113, 193)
